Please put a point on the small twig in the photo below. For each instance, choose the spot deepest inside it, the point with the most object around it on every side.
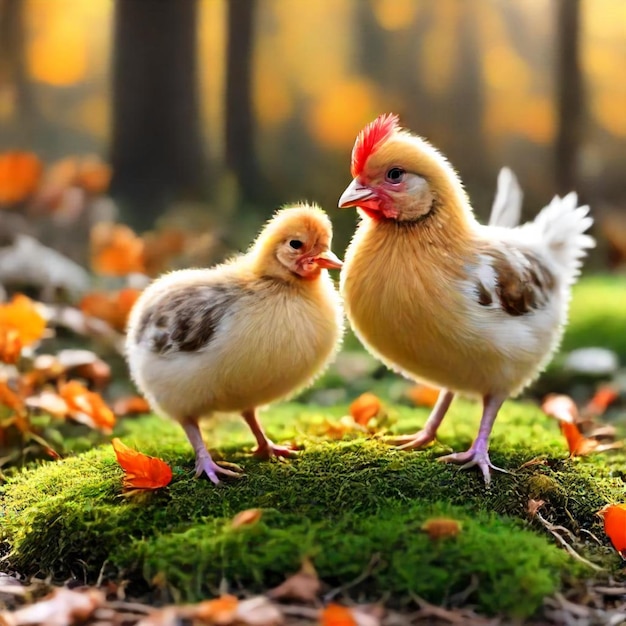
(359, 579)
(588, 532)
(554, 531)
(101, 574)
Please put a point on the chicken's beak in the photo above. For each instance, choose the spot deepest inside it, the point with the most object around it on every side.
(329, 260)
(357, 194)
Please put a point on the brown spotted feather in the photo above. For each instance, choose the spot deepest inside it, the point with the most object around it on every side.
(522, 286)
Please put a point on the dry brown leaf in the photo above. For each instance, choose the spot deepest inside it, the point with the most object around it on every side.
(20, 173)
(140, 470)
(561, 407)
(63, 607)
(303, 586)
(246, 518)
(22, 315)
(441, 527)
(116, 250)
(49, 402)
(86, 406)
(534, 506)
(12, 399)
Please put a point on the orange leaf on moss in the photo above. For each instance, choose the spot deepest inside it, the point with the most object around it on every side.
(337, 615)
(602, 399)
(22, 316)
(86, 406)
(246, 518)
(615, 526)
(579, 445)
(365, 407)
(141, 471)
(441, 527)
(20, 173)
(116, 250)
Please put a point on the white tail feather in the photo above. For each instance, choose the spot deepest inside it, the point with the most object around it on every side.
(560, 227)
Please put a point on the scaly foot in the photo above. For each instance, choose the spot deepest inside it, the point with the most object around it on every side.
(270, 450)
(417, 440)
(206, 465)
(472, 458)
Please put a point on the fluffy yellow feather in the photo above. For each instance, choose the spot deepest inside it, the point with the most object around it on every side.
(242, 334)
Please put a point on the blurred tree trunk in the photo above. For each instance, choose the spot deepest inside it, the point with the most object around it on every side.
(156, 152)
(13, 63)
(569, 94)
(240, 130)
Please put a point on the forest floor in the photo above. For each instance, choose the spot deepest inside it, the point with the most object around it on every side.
(396, 535)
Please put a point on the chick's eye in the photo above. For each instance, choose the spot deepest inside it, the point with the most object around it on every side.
(296, 244)
(395, 175)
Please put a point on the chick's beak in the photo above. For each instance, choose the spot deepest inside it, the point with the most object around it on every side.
(357, 194)
(329, 260)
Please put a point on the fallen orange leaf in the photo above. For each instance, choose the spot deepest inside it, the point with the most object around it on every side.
(131, 405)
(337, 615)
(365, 407)
(423, 395)
(141, 471)
(579, 445)
(22, 316)
(218, 611)
(615, 526)
(93, 175)
(602, 399)
(86, 406)
(113, 308)
(12, 400)
(10, 346)
(19, 176)
(116, 250)
(246, 518)
(441, 527)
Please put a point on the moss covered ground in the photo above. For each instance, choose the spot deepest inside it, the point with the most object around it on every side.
(341, 503)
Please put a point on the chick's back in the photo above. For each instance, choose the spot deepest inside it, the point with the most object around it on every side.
(222, 339)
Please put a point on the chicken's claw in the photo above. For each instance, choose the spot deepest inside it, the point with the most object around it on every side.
(272, 450)
(412, 442)
(472, 458)
(206, 465)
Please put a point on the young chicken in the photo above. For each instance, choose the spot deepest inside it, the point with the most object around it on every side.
(242, 334)
(440, 298)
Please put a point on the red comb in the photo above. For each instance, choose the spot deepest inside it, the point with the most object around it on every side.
(370, 138)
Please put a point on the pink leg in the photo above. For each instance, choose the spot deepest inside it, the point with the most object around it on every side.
(429, 432)
(204, 463)
(266, 448)
(478, 454)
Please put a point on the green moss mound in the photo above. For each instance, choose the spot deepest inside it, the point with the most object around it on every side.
(339, 503)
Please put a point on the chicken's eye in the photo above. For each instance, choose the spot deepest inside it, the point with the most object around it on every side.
(296, 244)
(395, 175)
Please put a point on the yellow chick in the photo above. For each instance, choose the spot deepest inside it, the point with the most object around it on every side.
(440, 298)
(240, 335)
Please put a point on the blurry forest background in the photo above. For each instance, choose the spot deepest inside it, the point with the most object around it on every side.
(211, 113)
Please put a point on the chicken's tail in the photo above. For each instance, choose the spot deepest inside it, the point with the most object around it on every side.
(561, 226)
